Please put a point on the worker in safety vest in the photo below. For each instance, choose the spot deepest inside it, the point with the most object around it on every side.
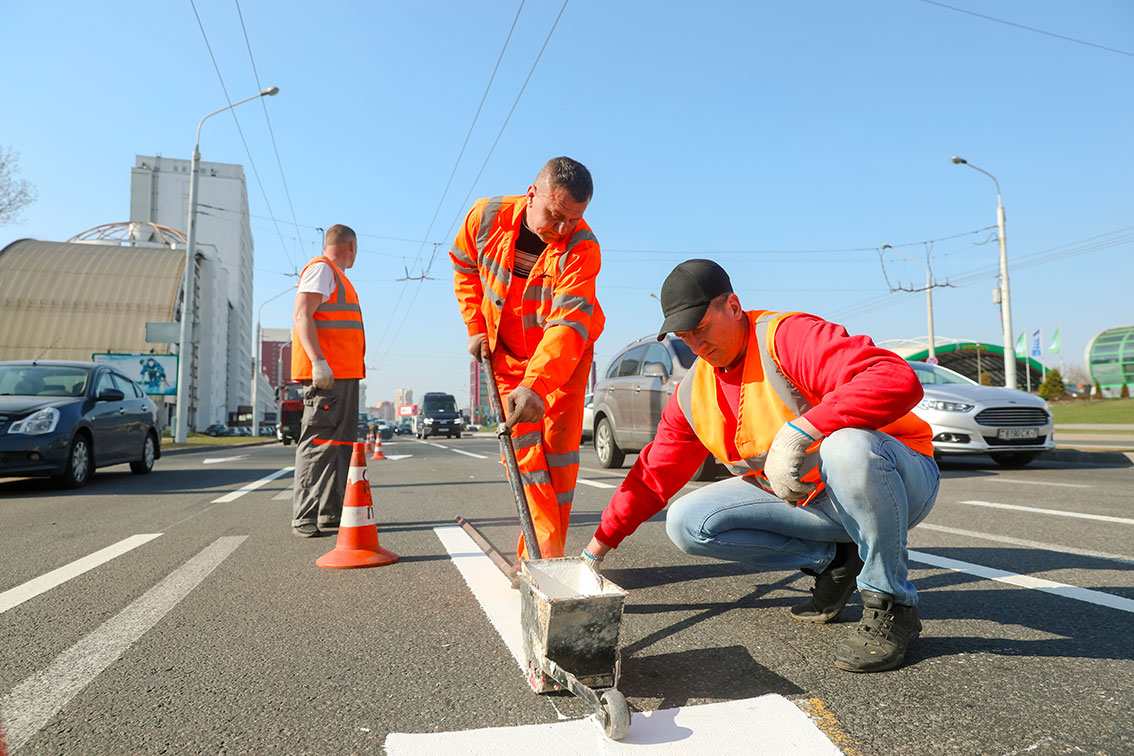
(830, 467)
(525, 269)
(328, 347)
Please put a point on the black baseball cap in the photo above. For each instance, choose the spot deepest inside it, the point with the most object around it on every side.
(687, 292)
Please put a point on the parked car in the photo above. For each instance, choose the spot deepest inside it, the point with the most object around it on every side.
(216, 429)
(65, 419)
(629, 399)
(1011, 426)
(588, 417)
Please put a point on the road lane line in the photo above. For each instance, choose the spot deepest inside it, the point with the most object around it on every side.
(1063, 590)
(999, 479)
(13, 597)
(767, 724)
(493, 591)
(594, 483)
(1029, 544)
(218, 460)
(32, 703)
(468, 454)
(1056, 512)
(249, 488)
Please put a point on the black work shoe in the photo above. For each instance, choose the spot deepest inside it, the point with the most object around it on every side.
(833, 587)
(880, 641)
(306, 530)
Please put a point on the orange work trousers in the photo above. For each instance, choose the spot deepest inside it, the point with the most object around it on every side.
(547, 452)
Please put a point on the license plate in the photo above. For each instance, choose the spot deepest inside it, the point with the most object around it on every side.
(1011, 434)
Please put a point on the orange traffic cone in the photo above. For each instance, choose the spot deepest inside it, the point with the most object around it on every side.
(358, 532)
(378, 455)
(369, 443)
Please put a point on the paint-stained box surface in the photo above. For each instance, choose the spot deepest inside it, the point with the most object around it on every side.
(572, 617)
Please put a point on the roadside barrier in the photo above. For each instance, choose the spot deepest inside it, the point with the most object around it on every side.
(357, 545)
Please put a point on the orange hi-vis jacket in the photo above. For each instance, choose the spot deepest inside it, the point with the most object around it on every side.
(560, 315)
(767, 401)
(338, 324)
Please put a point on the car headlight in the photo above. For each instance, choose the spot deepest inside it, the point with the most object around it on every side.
(37, 423)
(429, 421)
(942, 406)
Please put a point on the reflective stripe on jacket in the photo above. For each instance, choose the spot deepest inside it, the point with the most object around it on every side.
(561, 316)
(338, 325)
(767, 401)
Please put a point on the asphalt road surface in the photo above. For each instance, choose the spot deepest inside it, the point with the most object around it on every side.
(176, 613)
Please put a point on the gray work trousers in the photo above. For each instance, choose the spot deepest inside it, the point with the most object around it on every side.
(322, 457)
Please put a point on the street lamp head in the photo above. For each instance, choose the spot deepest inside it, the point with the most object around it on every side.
(269, 91)
(958, 160)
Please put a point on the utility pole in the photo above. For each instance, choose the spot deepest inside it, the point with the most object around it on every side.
(930, 284)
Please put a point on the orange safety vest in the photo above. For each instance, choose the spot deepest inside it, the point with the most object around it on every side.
(338, 324)
(558, 291)
(767, 401)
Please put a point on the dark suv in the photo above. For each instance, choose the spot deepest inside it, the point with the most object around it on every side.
(629, 399)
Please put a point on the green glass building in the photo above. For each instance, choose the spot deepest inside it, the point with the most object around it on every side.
(1110, 359)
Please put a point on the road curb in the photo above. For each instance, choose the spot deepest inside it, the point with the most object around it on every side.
(197, 448)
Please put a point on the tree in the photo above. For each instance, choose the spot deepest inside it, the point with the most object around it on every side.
(15, 193)
(1052, 387)
(1125, 391)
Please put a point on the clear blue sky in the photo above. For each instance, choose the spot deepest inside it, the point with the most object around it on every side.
(718, 131)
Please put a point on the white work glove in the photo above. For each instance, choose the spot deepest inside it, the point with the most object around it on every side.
(321, 375)
(785, 459)
(593, 562)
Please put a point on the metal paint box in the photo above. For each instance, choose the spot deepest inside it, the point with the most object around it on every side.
(570, 616)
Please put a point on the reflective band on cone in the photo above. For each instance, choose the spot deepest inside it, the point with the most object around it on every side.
(357, 545)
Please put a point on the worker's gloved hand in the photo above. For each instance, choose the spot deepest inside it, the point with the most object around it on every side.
(478, 346)
(785, 458)
(594, 562)
(321, 375)
(524, 406)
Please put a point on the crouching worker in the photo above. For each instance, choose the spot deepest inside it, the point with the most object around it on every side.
(831, 468)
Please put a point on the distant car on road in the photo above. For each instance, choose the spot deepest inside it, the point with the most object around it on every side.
(64, 419)
(1011, 426)
(404, 428)
(385, 430)
(629, 399)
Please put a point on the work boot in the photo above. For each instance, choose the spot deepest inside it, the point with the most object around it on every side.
(306, 530)
(880, 641)
(833, 587)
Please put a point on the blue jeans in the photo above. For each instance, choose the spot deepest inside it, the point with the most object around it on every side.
(877, 489)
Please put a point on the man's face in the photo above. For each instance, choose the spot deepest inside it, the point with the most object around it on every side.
(720, 337)
(552, 211)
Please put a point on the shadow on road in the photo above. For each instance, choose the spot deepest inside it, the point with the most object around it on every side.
(160, 482)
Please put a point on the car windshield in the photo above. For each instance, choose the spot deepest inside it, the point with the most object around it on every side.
(934, 375)
(43, 380)
(293, 392)
(684, 354)
(440, 404)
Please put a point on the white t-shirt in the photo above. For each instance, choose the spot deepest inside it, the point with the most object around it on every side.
(318, 279)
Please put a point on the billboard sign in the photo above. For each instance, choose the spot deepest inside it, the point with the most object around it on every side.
(155, 373)
(407, 410)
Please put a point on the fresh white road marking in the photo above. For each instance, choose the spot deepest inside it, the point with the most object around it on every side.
(249, 488)
(1027, 581)
(999, 479)
(1056, 512)
(32, 703)
(218, 460)
(468, 454)
(1027, 543)
(594, 483)
(396, 457)
(449, 448)
(768, 724)
(492, 590)
(13, 597)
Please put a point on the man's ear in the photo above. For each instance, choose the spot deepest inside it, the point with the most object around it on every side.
(531, 193)
(734, 306)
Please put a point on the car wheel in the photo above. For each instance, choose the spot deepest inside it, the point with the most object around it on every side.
(708, 470)
(609, 455)
(149, 454)
(80, 463)
(1013, 459)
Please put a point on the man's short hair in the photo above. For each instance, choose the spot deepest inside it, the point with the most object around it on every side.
(339, 234)
(570, 174)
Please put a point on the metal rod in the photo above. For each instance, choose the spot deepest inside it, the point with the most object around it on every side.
(490, 551)
(512, 467)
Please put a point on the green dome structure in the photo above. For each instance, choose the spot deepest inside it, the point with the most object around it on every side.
(977, 360)
(1109, 358)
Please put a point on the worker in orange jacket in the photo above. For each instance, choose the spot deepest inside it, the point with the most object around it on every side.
(524, 275)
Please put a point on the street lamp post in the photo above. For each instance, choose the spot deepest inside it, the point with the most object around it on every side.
(1005, 298)
(185, 343)
(256, 363)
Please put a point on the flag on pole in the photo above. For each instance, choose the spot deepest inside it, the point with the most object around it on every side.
(1055, 346)
(1020, 343)
(1037, 350)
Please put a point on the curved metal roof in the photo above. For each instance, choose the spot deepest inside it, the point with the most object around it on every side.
(65, 301)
